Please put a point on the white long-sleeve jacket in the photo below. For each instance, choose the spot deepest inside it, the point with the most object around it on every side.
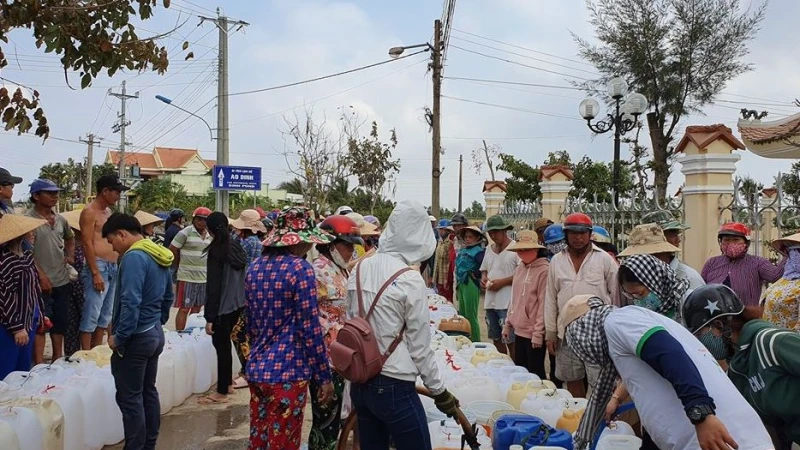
(406, 240)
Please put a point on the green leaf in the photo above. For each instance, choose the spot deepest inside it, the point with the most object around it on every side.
(86, 80)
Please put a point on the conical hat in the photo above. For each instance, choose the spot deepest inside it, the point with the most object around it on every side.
(13, 226)
(73, 219)
(145, 218)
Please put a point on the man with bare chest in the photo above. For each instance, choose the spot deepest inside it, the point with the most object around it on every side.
(99, 273)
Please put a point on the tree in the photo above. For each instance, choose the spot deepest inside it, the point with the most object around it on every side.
(790, 183)
(679, 53)
(488, 153)
(66, 176)
(475, 211)
(90, 37)
(158, 194)
(293, 186)
(314, 156)
(590, 178)
(370, 161)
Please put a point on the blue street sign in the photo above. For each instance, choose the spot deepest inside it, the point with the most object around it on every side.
(236, 178)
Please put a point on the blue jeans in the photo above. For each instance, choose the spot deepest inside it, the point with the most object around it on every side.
(389, 408)
(98, 306)
(15, 358)
(495, 319)
(135, 379)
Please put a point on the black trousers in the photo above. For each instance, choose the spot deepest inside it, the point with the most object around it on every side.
(222, 344)
(530, 358)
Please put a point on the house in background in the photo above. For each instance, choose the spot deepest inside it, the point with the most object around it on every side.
(185, 167)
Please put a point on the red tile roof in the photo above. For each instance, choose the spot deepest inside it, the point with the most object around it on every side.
(210, 162)
(704, 135)
(174, 158)
(488, 185)
(759, 132)
(144, 160)
(549, 171)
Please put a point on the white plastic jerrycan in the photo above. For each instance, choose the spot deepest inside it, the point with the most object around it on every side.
(96, 423)
(519, 391)
(115, 432)
(50, 417)
(471, 389)
(20, 429)
(619, 442)
(69, 400)
(618, 428)
(165, 383)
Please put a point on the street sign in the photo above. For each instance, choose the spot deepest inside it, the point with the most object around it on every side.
(236, 178)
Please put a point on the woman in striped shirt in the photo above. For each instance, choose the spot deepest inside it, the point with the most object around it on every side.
(21, 302)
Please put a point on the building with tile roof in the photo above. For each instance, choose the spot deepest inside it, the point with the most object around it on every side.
(779, 139)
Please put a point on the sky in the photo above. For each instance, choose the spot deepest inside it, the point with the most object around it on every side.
(292, 40)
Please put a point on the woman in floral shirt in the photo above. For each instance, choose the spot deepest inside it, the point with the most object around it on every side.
(286, 340)
(782, 299)
(330, 270)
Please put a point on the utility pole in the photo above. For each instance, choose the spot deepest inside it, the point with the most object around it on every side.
(92, 139)
(460, 180)
(225, 25)
(120, 127)
(435, 120)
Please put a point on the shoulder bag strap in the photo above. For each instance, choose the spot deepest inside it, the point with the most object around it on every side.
(399, 338)
(360, 293)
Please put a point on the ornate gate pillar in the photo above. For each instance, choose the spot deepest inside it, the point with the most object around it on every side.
(708, 163)
(555, 183)
(494, 193)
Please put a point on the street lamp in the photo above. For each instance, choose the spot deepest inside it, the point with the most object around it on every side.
(169, 102)
(627, 109)
(395, 52)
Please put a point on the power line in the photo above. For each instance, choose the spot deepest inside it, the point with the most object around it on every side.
(523, 48)
(311, 80)
(513, 108)
(527, 56)
(511, 61)
(516, 83)
(511, 138)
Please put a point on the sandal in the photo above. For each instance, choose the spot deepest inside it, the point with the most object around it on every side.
(209, 400)
(239, 383)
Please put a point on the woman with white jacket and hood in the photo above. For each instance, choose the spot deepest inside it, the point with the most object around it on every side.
(388, 405)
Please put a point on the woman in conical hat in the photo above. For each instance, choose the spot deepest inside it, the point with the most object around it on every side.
(21, 304)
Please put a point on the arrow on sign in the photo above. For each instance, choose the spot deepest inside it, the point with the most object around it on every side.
(221, 177)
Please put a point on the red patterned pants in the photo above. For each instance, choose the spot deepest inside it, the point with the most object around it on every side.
(446, 293)
(276, 415)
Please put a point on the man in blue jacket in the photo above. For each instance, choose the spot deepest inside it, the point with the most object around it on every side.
(141, 306)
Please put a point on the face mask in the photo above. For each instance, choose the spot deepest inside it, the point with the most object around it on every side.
(337, 258)
(734, 250)
(528, 256)
(557, 247)
(649, 301)
(716, 345)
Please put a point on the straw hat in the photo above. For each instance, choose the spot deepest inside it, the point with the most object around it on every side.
(145, 218)
(781, 244)
(365, 228)
(648, 239)
(574, 309)
(542, 223)
(13, 226)
(73, 219)
(249, 219)
(460, 233)
(526, 240)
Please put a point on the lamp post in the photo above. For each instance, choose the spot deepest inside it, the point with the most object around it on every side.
(627, 108)
(169, 102)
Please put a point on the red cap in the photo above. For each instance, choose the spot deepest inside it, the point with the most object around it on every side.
(201, 212)
(578, 222)
(734, 229)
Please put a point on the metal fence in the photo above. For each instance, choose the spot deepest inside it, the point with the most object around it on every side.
(768, 217)
(619, 220)
(521, 214)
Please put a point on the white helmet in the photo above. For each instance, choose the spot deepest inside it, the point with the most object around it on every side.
(343, 210)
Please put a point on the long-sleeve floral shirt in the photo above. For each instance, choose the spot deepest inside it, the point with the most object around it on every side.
(286, 343)
(332, 297)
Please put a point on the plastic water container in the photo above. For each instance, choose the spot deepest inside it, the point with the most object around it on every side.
(20, 429)
(577, 404)
(195, 321)
(50, 417)
(446, 435)
(96, 423)
(86, 355)
(181, 388)
(483, 411)
(552, 411)
(69, 400)
(79, 366)
(511, 429)
(485, 355)
(618, 428)
(569, 420)
(492, 368)
(53, 373)
(202, 376)
(518, 391)
(165, 383)
(103, 353)
(24, 381)
(115, 432)
(471, 389)
(551, 438)
(432, 414)
(619, 443)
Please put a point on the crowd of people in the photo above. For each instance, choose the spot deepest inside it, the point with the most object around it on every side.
(709, 358)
